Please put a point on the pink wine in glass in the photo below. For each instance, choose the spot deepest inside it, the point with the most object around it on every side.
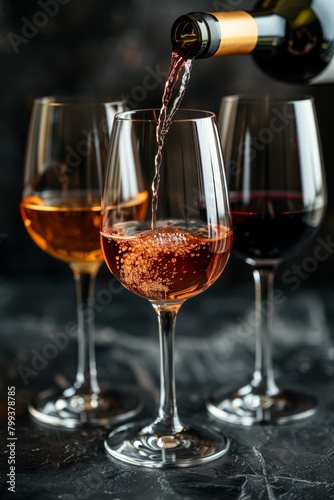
(168, 262)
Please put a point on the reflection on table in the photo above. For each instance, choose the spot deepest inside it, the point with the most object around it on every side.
(214, 347)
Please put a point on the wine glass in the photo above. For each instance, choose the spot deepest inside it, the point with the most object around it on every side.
(61, 210)
(176, 251)
(278, 198)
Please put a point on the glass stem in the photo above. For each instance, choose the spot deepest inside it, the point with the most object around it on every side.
(86, 378)
(263, 377)
(167, 422)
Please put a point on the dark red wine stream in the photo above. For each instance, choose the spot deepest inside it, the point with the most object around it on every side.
(169, 106)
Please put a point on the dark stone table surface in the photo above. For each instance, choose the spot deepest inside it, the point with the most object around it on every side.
(288, 462)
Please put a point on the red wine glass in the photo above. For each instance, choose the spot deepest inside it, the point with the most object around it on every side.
(178, 249)
(278, 198)
(61, 209)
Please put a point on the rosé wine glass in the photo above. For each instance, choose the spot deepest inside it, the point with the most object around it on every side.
(177, 251)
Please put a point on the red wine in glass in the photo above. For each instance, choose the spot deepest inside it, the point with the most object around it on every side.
(278, 198)
(272, 225)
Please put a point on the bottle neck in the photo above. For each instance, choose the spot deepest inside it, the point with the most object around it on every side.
(238, 32)
(200, 35)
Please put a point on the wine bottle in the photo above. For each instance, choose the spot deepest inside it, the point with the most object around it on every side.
(290, 40)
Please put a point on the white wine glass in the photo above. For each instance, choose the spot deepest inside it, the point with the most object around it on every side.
(278, 199)
(175, 252)
(61, 209)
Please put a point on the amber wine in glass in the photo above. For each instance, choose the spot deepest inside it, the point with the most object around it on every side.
(61, 209)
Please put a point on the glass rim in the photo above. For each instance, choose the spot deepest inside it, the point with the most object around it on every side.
(270, 97)
(127, 115)
(76, 100)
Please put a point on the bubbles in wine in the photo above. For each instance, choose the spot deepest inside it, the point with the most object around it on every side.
(167, 262)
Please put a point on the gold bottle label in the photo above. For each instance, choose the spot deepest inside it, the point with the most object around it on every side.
(239, 33)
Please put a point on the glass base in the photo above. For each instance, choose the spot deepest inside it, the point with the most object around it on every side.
(245, 407)
(70, 409)
(139, 444)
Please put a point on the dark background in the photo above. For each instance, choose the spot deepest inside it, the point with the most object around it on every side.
(108, 48)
